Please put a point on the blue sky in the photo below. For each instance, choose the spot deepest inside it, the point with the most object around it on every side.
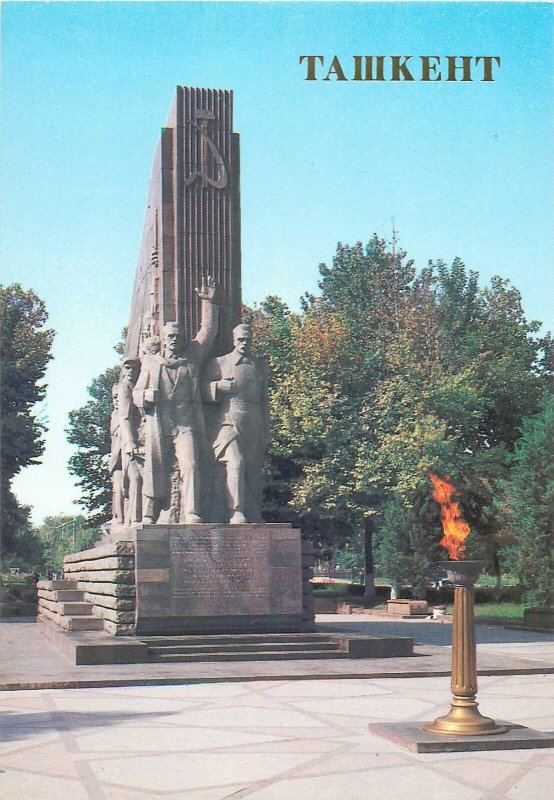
(465, 169)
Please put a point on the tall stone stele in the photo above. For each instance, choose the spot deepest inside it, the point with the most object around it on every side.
(186, 302)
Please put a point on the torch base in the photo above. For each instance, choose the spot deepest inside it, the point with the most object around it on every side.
(464, 719)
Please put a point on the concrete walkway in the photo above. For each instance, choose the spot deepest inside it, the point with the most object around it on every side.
(295, 730)
(30, 660)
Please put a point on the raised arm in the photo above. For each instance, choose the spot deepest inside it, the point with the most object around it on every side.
(205, 337)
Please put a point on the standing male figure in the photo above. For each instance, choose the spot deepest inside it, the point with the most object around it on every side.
(238, 383)
(115, 466)
(131, 452)
(167, 391)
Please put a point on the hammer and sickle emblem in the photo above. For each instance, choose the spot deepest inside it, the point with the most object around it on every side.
(207, 145)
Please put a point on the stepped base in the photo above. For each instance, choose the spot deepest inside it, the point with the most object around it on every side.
(94, 647)
(273, 647)
(418, 739)
(98, 647)
(260, 655)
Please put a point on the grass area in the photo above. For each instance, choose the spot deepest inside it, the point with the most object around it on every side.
(490, 580)
(324, 587)
(495, 610)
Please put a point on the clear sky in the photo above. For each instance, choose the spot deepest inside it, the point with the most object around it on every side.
(465, 169)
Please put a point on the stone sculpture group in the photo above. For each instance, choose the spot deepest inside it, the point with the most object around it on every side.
(181, 422)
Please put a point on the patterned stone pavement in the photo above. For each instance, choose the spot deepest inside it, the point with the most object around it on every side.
(264, 740)
(260, 732)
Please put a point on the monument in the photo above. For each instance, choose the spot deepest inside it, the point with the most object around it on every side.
(188, 550)
(188, 569)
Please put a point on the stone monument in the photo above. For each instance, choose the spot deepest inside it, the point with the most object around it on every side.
(187, 550)
(190, 423)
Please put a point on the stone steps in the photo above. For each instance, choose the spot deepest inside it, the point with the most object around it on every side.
(270, 647)
(69, 595)
(242, 638)
(243, 647)
(285, 647)
(82, 623)
(63, 603)
(257, 655)
(75, 608)
(98, 586)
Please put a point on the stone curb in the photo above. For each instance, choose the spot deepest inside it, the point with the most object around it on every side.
(176, 681)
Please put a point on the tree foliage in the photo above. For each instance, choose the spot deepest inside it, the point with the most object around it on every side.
(26, 550)
(25, 350)
(526, 507)
(63, 534)
(89, 431)
(388, 374)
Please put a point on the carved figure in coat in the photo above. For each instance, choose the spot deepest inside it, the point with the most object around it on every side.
(167, 392)
(114, 464)
(237, 383)
(132, 454)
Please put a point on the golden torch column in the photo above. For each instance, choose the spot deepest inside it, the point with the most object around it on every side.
(464, 718)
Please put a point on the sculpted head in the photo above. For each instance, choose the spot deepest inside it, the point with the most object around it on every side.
(242, 338)
(151, 346)
(115, 396)
(172, 338)
(130, 370)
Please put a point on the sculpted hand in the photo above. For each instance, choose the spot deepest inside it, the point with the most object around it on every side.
(134, 451)
(151, 395)
(226, 386)
(207, 290)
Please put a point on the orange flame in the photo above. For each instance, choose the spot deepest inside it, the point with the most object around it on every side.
(454, 526)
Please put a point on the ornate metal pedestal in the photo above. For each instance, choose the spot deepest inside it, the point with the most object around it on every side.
(464, 718)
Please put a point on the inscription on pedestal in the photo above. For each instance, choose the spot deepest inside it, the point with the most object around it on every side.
(222, 571)
(210, 573)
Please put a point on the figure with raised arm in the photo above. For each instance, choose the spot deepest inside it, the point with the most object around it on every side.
(168, 393)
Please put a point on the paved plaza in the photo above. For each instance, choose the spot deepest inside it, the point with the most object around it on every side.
(272, 737)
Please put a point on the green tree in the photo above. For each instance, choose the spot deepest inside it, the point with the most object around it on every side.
(27, 552)
(25, 350)
(89, 431)
(64, 534)
(328, 359)
(389, 374)
(463, 371)
(526, 507)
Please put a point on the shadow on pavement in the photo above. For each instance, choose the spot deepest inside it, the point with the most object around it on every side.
(16, 727)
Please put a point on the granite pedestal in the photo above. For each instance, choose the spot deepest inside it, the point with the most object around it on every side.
(216, 578)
